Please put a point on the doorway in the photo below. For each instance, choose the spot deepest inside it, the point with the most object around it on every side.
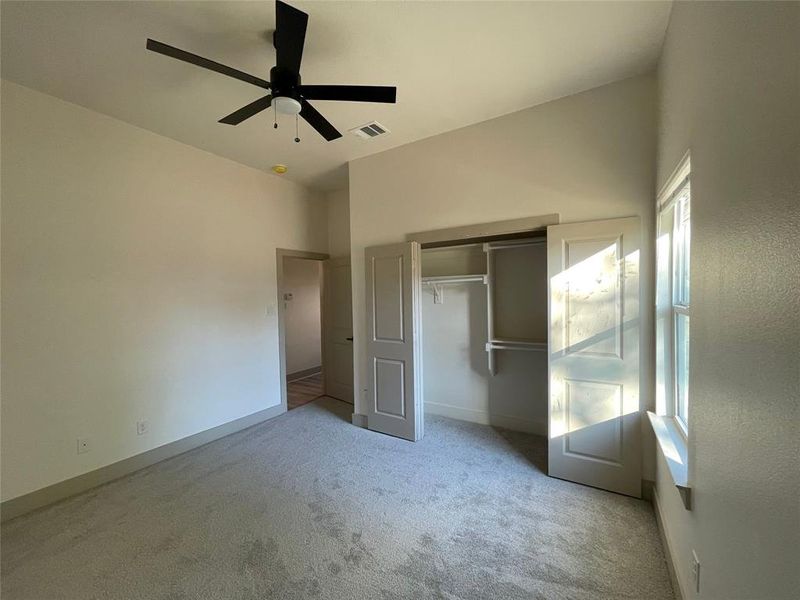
(301, 295)
(315, 327)
(484, 332)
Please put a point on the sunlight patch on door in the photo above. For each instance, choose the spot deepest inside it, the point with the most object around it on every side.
(587, 298)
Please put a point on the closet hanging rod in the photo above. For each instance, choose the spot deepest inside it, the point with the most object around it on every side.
(516, 345)
(442, 279)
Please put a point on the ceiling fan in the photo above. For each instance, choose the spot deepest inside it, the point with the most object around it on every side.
(287, 94)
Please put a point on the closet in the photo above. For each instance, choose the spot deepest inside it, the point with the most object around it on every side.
(484, 333)
(526, 331)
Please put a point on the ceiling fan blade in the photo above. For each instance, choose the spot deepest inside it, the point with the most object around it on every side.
(290, 35)
(318, 122)
(248, 111)
(353, 93)
(199, 61)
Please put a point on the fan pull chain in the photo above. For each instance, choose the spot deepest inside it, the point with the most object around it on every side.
(297, 129)
(274, 116)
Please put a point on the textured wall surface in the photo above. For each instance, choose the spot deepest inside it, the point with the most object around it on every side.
(729, 92)
(338, 223)
(136, 277)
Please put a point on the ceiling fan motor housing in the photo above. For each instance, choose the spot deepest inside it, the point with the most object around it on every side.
(284, 83)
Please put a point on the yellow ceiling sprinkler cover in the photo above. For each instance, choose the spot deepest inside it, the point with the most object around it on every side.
(280, 169)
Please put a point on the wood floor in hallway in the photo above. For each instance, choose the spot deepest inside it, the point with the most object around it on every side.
(303, 391)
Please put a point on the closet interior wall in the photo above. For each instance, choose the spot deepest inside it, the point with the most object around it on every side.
(458, 382)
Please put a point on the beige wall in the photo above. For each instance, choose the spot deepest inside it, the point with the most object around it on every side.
(302, 314)
(137, 278)
(729, 91)
(338, 203)
(587, 156)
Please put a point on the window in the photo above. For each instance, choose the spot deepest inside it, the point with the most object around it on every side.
(681, 234)
(673, 297)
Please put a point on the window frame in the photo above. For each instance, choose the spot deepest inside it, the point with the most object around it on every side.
(669, 206)
(681, 294)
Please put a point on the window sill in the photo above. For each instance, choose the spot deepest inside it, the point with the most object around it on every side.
(673, 447)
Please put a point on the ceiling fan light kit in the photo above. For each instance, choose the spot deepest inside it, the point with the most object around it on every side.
(287, 94)
(286, 105)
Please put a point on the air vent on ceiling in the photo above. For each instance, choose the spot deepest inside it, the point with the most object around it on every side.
(370, 130)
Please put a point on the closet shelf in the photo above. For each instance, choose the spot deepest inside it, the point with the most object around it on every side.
(488, 246)
(444, 279)
(524, 345)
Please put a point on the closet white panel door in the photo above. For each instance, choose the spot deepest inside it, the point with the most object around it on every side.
(393, 286)
(595, 409)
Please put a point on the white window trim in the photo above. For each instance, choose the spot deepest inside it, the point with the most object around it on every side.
(674, 182)
(673, 447)
(683, 426)
(670, 430)
(677, 307)
(666, 200)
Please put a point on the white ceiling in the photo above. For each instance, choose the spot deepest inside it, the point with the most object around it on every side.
(454, 63)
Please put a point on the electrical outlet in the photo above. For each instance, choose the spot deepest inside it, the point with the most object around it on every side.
(141, 427)
(696, 572)
(83, 445)
(270, 310)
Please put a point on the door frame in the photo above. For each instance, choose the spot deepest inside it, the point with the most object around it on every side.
(454, 236)
(280, 254)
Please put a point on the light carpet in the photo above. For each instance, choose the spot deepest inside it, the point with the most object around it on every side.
(309, 506)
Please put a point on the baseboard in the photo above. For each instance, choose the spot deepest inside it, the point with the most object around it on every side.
(668, 553)
(297, 375)
(486, 418)
(359, 420)
(26, 503)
